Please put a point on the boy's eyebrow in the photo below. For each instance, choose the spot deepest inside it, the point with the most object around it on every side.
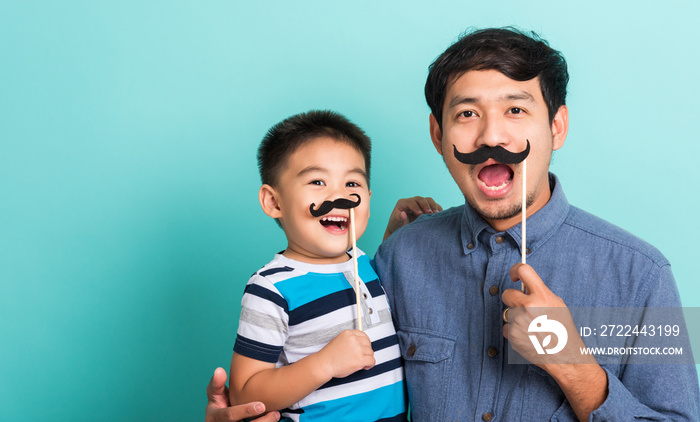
(311, 169)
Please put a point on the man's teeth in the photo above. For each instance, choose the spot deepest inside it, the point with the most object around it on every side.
(501, 186)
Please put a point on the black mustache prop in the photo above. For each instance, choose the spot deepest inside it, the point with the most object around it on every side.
(340, 203)
(498, 153)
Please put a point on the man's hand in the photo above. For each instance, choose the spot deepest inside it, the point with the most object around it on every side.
(407, 210)
(582, 380)
(218, 408)
(347, 353)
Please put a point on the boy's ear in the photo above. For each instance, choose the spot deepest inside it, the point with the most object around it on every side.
(269, 201)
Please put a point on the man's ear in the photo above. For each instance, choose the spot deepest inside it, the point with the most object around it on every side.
(436, 133)
(560, 127)
(269, 201)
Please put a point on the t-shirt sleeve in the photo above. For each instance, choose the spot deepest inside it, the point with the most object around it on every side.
(263, 326)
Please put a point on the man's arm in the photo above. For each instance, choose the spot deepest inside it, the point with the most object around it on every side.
(219, 410)
(655, 392)
(279, 388)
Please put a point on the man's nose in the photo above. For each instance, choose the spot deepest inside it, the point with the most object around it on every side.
(492, 132)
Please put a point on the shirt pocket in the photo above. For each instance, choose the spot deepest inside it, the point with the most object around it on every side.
(428, 357)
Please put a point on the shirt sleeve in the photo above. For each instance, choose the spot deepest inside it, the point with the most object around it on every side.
(653, 391)
(264, 321)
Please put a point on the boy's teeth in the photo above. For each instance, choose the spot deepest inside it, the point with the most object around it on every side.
(335, 219)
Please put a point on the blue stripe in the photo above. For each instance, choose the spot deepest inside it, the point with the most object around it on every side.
(311, 286)
(256, 350)
(363, 374)
(375, 289)
(272, 271)
(379, 404)
(365, 267)
(263, 293)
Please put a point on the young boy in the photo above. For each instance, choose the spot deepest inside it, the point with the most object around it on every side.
(298, 349)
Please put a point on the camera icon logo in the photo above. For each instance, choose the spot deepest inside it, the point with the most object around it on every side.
(543, 325)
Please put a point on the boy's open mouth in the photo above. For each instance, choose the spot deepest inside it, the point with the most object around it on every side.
(334, 223)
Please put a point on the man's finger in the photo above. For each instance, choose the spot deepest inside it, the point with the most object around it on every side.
(529, 277)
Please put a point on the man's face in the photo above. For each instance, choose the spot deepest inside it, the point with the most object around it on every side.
(323, 169)
(486, 108)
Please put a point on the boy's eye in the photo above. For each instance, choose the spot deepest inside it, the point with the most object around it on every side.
(352, 185)
(318, 183)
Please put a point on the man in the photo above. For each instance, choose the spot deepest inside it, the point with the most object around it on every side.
(449, 276)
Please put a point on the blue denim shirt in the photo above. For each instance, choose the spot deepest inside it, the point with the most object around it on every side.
(444, 275)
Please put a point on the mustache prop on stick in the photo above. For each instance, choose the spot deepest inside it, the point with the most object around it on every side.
(503, 156)
(344, 204)
(328, 206)
(498, 153)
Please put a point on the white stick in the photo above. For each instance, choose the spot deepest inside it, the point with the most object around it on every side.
(524, 219)
(354, 261)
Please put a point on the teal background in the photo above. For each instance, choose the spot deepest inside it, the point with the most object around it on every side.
(129, 220)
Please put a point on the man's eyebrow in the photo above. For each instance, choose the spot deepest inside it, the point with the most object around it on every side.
(462, 100)
(520, 95)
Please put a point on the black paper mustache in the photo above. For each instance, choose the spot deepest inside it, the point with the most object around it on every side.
(340, 203)
(498, 153)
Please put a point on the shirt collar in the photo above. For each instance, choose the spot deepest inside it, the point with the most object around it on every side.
(540, 226)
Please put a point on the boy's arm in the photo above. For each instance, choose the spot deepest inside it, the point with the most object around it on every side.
(407, 210)
(279, 388)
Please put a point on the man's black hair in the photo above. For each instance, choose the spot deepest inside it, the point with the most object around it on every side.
(286, 136)
(518, 55)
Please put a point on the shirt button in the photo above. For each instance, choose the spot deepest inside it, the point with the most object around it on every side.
(470, 245)
(527, 251)
(499, 240)
(487, 416)
(492, 352)
(370, 311)
(493, 290)
(411, 350)
(364, 295)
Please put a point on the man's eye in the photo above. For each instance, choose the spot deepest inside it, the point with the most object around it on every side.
(467, 114)
(516, 110)
(318, 183)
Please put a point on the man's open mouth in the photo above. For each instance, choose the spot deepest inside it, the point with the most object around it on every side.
(495, 177)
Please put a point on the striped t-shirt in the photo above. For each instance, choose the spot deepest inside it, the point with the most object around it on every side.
(292, 309)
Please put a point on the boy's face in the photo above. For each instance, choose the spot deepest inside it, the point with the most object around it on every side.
(323, 169)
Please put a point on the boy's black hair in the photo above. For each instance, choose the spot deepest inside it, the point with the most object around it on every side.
(286, 136)
(517, 55)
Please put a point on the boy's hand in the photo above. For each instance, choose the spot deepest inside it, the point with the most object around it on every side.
(347, 353)
(407, 210)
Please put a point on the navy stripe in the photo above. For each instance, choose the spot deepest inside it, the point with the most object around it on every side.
(375, 288)
(363, 374)
(398, 418)
(269, 295)
(256, 350)
(385, 342)
(332, 302)
(276, 270)
(322, 306)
